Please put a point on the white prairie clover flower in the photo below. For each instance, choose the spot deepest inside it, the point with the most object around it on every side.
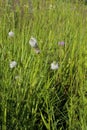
(17, 77)
(54, 66)
(33, 42)
(13, 64)
(11, 34)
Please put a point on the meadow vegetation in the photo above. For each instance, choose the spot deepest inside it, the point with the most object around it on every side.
(33, 96)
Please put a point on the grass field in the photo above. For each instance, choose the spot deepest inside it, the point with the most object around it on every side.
(33, 96)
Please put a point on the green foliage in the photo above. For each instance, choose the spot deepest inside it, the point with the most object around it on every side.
(32, 96)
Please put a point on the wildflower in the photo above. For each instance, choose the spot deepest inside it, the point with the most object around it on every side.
(13, 64)
(17, 77)
(61, 43)
(33, 42)
(11, 34)
(54, 66)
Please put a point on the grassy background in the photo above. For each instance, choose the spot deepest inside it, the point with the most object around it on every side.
(40, 98)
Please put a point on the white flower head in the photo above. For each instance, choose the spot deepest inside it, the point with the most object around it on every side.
(17, 77)
(13, 64)
(33, 42)
(54, 66)
(11, 34)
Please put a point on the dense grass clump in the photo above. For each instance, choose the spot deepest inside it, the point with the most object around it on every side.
(43, 86)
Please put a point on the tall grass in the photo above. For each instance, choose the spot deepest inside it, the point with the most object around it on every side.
(32, 96)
